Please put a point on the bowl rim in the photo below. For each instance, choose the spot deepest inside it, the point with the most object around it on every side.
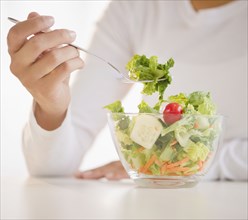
(161, 114)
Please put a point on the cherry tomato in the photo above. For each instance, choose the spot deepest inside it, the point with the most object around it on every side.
(172, 113)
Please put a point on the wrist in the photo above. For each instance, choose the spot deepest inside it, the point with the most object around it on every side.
(48, 120)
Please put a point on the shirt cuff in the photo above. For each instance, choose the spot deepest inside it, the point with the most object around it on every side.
(38, 130)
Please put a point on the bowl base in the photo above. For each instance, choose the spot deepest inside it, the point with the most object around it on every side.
(167, 182)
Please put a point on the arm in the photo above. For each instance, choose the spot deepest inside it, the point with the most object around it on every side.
(60, 151)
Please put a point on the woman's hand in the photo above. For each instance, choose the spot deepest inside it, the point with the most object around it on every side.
(43, 66)
(111, 171)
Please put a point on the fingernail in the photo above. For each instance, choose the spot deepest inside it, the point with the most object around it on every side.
(72, 34)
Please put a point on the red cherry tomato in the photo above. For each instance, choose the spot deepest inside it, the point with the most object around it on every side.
(172, 113)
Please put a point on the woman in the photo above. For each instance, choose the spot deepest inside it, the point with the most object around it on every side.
(207, 39)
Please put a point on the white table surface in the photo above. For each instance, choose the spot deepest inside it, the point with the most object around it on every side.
(68, 198)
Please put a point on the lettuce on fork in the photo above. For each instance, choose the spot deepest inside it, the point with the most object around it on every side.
(143, 68)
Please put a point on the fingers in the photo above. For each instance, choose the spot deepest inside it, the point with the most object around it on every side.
(42, 42)
(51, 60)
(41, 56)
(57, 63)
(111, 171)
(63, 71)
(20, 32)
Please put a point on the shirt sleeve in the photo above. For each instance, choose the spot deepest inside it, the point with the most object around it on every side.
(230, 162)
(52, 153)
(59, 152)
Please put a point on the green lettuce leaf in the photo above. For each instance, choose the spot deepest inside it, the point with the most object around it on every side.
(202, 102)
(115, 107)
(190, 110)
(207, 107)
(181, 99)
(182, 135)
(143, 68)
(168, 153)
(155, 169)
(123, 137)
(197, 98)
(197, 151)
(145, 108)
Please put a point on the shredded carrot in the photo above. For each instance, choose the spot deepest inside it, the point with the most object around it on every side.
(148, 172)
(196, 125)
(173, 142)
(163, 168)
(148, 163)
(200, 164)
(178, 163)
(158, 162)
(140, 169)
(140, 149)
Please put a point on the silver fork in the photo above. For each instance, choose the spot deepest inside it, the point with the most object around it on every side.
(125, 79)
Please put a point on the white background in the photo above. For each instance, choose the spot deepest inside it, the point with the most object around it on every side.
(79, 16)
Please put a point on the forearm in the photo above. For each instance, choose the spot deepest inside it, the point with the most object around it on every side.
(53, 153)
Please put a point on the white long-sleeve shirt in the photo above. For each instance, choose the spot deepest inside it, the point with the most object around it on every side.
(210, 52)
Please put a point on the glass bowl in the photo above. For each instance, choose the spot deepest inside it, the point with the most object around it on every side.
(160, 155)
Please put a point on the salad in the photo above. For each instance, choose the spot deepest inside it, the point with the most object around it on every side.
(143, 68)
(177, 140)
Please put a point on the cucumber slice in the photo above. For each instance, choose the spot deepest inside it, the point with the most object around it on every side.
(146, 130)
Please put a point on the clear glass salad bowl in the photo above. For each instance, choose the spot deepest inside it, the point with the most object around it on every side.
(160, 155)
